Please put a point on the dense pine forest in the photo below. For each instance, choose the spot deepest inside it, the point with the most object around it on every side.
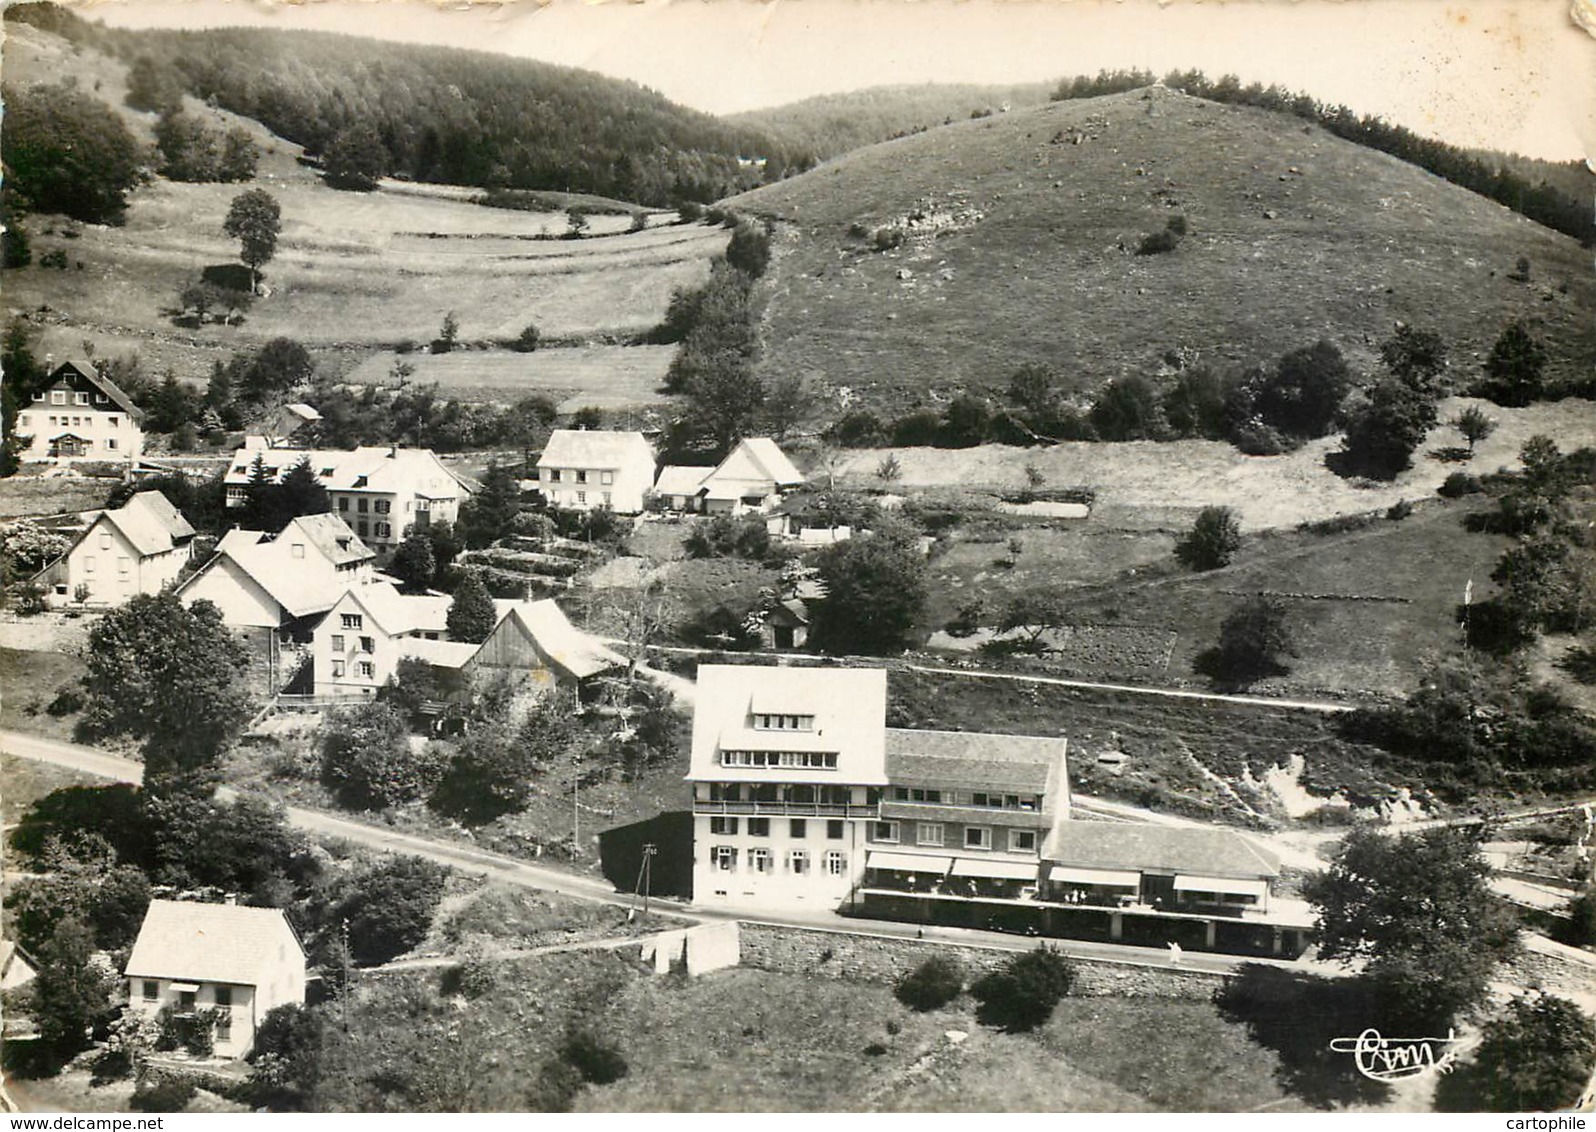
(443, 115)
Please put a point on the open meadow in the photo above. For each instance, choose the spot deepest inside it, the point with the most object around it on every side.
(605, 377)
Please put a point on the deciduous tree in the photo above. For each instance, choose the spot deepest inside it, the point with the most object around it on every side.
(1213, 540)
(875, 594)
(471, 613)
(1253, 643)
(1535, 1058)
(254, 219)
(1417, 912)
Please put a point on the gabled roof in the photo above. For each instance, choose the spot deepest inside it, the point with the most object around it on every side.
(570, 649)
(849, 706)
(595, 448)
(149, 522)
(85, 369)
(1165, 848)
(439, 654)
(397, 613)
(332, 536)
(213, 943)
(974, 760)
(755, 460)
(377, 468)
(678, 479)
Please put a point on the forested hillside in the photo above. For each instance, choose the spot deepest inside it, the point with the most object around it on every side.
(444, 115)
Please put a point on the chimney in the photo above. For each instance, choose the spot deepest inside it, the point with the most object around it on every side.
(393, 453)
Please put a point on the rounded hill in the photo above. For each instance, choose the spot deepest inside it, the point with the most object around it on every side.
(953, 257)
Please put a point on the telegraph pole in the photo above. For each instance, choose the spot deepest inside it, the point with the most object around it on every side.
(645, 874)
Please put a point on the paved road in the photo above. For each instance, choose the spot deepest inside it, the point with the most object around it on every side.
(512, 871)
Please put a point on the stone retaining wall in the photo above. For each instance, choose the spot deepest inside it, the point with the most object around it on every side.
(884, 959)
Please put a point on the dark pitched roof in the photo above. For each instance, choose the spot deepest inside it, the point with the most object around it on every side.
(972, 759)
(1168, 848)
(86, 370)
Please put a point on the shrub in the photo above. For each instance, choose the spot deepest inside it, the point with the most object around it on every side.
(162, 1094)
(389, 907)
(1459, 484)
(931, 985)
(368, 761)
(1022, 993)
(1212, 541)
(68, 701)
(1158, 243)
(1399, 510)
(598, 1061)
(859, 429)
(526, 341)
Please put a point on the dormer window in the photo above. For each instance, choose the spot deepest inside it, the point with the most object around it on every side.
(83, 398)
(326, 473)
(768, 722)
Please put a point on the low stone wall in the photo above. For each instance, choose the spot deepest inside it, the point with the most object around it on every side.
(884, 959)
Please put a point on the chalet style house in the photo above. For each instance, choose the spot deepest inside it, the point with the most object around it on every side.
(804, 798)
(138, 548)
(358, 645)
(282, 581)
(382, 492)
(752, 477)
(583, 469)
(240, 962)
(80, 415)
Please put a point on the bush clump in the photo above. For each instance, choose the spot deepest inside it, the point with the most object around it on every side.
(598, 1061)
(931, 985)
(1021, 994)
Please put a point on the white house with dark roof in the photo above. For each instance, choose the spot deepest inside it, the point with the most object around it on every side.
(239, 961)
(139, 548)
(583, 469)
(380, 491)
(258, 579)
(80, 415)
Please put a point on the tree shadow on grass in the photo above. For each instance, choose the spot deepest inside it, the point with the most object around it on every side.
(1298, 1016)
(232, 276)
(32, 1059)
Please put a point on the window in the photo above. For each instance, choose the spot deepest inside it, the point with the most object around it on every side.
(977, 837)
(606, 478)
(338, 642)
(185, 1002)
(384, 506)
(105, 540)
(152, 990)
(353, 620)
(802, 760)
(363, 505)
(994, 801)
(124, 565)
(24, 419)
(1022, 841)
(758, 827)
(928, 833)
(115, 421)
(362, 528)
(760, 860)
(723, 825)
(836, 863)
(224, 997)
(111, 444)
(338, 669)
(607, 499)
(884, 831)
(768, 722)
(554, 475)
(367, 644)
(343, 503)
(88, 565)
(797, 828)
(58, 397)
(581, 477)
(725, 857)
(366, 669)
(834, 830)
(384, 530)
(798, 861)
(581, 497)
(38, 396)
(83, 399)
(297, 550)
(905, 794)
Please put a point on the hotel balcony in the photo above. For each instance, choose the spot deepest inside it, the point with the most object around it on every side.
(786, 809)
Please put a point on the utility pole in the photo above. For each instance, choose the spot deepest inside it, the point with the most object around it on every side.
(576, 807)
(645, 873)
(343, 990)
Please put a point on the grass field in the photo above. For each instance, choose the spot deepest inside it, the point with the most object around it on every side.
(31, 495)
(608, 377)
(1294, 235)
(30, 681)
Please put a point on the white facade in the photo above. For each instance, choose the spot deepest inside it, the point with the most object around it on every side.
(584, 470)
(139, 548)
(195, 957)
(357, 646)
(788, 765)
(380, 492)
(263, 580)
(80, 415)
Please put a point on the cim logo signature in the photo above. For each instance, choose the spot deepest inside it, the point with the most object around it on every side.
(1393, 1059)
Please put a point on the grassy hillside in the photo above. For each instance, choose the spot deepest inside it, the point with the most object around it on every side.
(440, 114)
(832, 124)
(354, 273)
(1023, 228)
